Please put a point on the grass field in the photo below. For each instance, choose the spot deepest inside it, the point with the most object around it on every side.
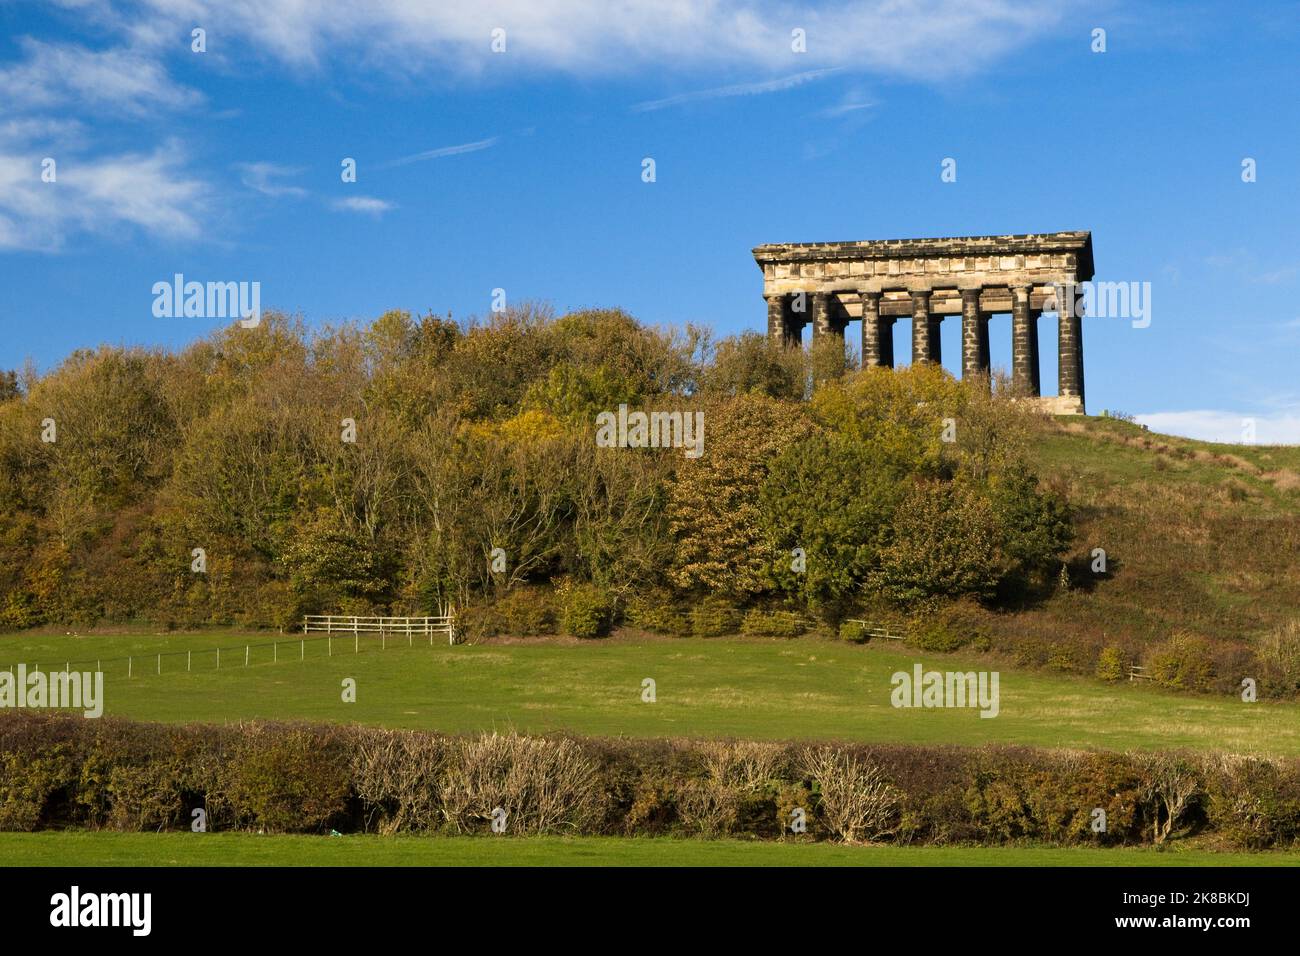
(79, 848)
(770, 689)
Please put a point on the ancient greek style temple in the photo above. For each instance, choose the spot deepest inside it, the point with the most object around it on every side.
(829, 284)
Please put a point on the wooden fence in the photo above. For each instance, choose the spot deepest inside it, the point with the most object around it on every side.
(876, 630)
(385, 627)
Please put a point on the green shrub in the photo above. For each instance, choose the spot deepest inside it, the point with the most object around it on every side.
(712, 617)
(1070, 657)
(855, 631)
(657, 612)
(790, 798)
(949, 628)
(144, 796)
(528, 612)
(653, 808)
(760, 623)
(1183, 662)
(133, 777)
(1255, 803)
(28, 782)
(17, 612)
(585, 610)
(288, 780)
(1112, 664)
(521, 612)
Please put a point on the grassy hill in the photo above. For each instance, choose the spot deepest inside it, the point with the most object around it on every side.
(1200, 538)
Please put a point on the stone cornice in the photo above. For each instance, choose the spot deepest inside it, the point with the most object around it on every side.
(1078, 243)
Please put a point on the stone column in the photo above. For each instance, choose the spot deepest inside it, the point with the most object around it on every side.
(974, 336)
(1069, 308)
(872, 353)
(1024, 355)
(821, 315)
(924, 347)
(797, 308)
(986, 358)
(1033, 348)
(777, 326)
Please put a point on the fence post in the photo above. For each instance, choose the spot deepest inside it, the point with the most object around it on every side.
(329, 642)
(159, 663)
(218, 658)
(356, 643)
(130, 666)
(245, 655)
(302, 649)
(275, 652)
(189, 659)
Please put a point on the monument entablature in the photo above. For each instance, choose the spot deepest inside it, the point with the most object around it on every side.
(829, 284)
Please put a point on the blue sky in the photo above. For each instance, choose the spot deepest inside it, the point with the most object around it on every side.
(522, 170)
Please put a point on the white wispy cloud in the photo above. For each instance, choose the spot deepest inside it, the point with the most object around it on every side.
(149, 192)
(367, 205)
(266, 178)
(596, 37)
(736, 89)
(55, 94)
(851, 104)
(1270, 428)
(37, 132)
(443, 151)
(67, 75)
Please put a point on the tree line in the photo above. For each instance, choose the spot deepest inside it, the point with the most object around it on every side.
(394, 466)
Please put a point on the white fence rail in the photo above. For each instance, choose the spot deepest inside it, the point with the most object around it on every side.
(385, 627)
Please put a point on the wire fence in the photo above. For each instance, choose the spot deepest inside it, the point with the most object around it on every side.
(248, 654)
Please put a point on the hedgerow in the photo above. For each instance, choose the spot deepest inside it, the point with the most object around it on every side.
(58, 771)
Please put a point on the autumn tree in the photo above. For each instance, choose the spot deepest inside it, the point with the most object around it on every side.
(713, 507)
